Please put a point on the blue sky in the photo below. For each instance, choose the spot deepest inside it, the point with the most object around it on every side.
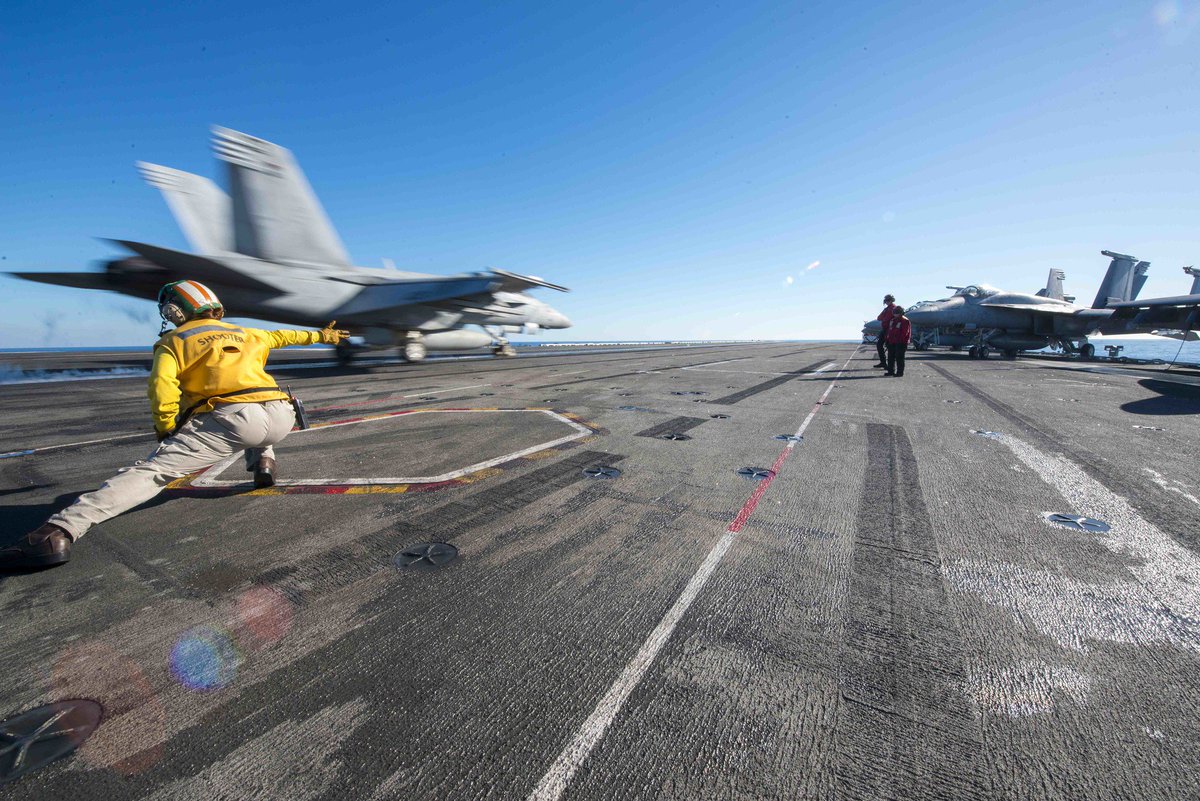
(674, 164)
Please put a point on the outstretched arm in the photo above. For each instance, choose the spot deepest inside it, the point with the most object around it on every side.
(326, 336)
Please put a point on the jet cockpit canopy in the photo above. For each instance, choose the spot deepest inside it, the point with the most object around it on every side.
(976, 291)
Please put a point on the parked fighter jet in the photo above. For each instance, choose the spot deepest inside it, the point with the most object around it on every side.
(923, 339)
(270, 252)
(983, 317)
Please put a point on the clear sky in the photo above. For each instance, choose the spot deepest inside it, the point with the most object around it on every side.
(729, 170)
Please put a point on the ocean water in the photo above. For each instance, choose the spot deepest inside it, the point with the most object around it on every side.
(1134, 347)
(1148, 348)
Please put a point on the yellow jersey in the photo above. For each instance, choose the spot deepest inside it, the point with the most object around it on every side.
(203, 358)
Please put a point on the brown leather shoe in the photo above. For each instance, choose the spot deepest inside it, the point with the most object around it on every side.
(264, 473)
(45, 546)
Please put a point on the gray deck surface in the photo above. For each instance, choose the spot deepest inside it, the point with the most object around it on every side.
(895, 619)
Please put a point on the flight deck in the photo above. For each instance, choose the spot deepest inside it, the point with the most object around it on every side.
(710, 572)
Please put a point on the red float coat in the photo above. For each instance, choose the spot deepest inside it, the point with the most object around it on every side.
(899, 331)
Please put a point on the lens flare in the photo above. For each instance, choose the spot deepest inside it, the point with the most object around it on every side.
(204, 658)
(264, 617)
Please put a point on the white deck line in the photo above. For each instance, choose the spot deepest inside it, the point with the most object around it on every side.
(1150, 598)
(442, 391)
(737, 372)
(45, 448)
(554, 783)
(225, 464)
(710, 364)
(703, 369)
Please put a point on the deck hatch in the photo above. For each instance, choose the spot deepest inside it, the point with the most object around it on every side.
(1077, 522)
(425, 556)
(755, 473)
(37, 737)
(602, 472)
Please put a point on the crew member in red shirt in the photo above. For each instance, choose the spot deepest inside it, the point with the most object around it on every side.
(884, 318)
(899, 334)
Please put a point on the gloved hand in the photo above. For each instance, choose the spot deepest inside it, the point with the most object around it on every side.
(331, 335)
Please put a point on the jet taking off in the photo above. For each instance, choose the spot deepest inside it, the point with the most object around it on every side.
(984, 317)
(270, 252)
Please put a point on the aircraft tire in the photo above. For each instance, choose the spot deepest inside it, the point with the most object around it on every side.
(1087, 352)
(413, 352)
(984, 352)
(973, 353)
(1010, 354)
(344, 353)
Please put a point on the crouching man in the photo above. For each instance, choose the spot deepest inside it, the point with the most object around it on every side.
(211, 397)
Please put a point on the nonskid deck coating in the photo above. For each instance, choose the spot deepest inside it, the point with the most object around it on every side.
(893, 617)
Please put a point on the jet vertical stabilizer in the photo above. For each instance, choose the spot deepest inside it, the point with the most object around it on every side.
(1139, 278)
(1122, 282)
(276, 215)
(198, 205)
(1054, 285)
(1195, 273)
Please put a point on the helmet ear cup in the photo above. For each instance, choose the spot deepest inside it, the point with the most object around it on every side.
(173, 314)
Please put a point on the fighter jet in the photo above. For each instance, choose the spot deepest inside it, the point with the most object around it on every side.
(270, 252)
(924, 338)
(983, 317)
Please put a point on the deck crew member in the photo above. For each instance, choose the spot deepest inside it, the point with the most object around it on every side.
(898, 335)
(884, 318)
(211, 397)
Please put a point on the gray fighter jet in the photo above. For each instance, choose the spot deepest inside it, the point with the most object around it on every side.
(924, 338)
(269, 251)
(982, 317)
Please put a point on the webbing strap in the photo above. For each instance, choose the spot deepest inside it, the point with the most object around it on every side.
(184, 417)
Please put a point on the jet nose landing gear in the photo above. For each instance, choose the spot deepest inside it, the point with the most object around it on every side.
(413, 351)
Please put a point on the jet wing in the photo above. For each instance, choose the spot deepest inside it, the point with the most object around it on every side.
(201, 268)
(1178, 300)
(511, 282)
(1180, 312)
(1048, 308)
(397, 293)
(76, 280)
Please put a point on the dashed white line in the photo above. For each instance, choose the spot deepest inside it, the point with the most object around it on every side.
(554, 783)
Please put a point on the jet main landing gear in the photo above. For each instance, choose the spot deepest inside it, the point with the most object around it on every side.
(344, 353)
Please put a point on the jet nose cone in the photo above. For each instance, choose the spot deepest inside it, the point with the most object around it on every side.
(925, 312)
(557, 320)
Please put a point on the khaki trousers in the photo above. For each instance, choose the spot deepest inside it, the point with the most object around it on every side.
(204, 440)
